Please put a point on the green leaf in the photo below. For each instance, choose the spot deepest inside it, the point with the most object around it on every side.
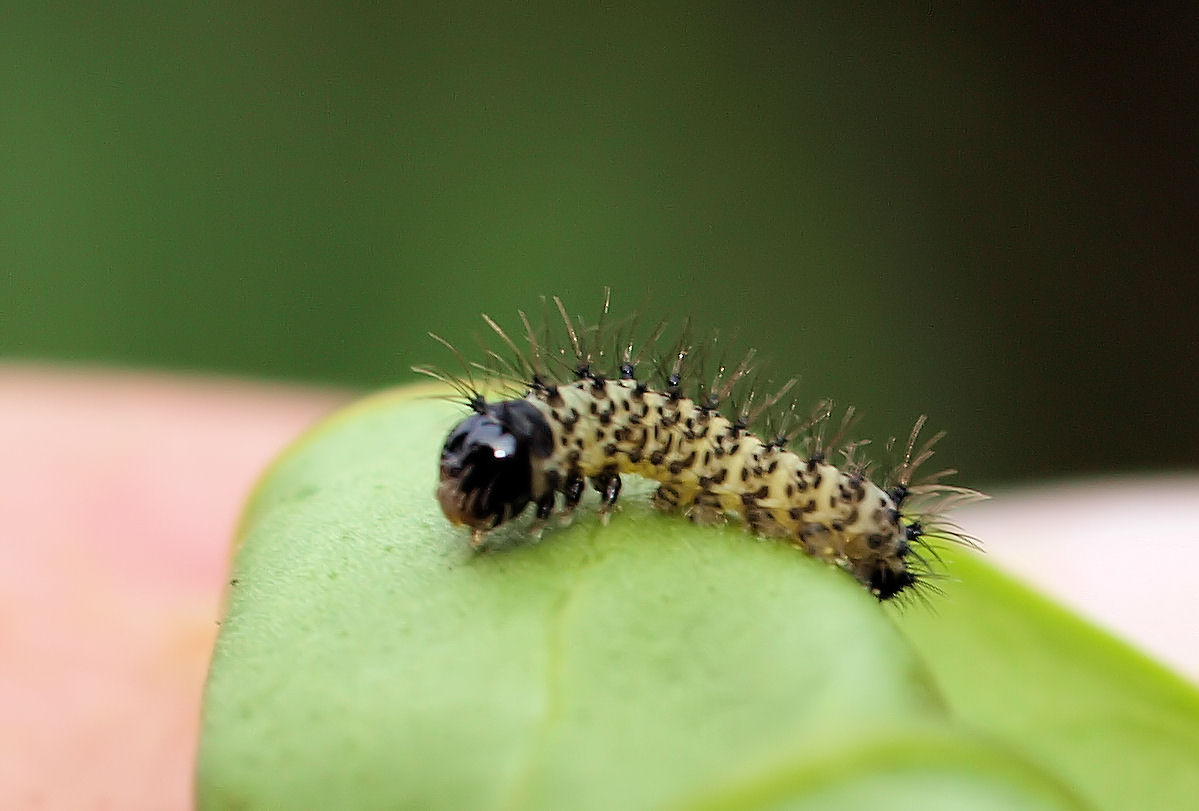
(369, 659)
(1119, 728)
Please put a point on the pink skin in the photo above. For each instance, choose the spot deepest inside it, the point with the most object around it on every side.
(121, 491)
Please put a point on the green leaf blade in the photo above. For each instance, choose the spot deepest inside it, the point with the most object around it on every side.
(369, 659)
(1120, 728)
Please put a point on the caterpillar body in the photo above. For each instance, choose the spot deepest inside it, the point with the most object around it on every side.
(591, 424)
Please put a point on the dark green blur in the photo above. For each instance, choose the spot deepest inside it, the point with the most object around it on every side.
(914, 207)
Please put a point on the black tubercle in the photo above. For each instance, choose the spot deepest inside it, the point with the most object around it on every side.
(486, 463)
(898, 494)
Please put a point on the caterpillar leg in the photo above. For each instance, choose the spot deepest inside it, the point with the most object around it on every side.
(608, 486)
(545, 506)
(817, 541)
(761, 521)
(572, 489)
(707, 510)
(666, 499)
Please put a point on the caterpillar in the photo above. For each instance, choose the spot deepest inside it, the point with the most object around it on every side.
(582, 412)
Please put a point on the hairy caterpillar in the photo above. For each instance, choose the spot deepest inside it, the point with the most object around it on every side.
(580, 412)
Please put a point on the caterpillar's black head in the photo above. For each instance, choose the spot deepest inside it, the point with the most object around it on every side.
(487, 463)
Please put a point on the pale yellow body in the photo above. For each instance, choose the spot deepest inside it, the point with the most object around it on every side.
(707, 468)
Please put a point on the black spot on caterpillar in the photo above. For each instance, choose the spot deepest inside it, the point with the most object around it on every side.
(597, 404)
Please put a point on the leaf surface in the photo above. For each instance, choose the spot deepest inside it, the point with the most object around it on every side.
(369, 659)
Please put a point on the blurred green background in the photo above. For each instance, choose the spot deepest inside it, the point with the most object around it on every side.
(989, 215)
